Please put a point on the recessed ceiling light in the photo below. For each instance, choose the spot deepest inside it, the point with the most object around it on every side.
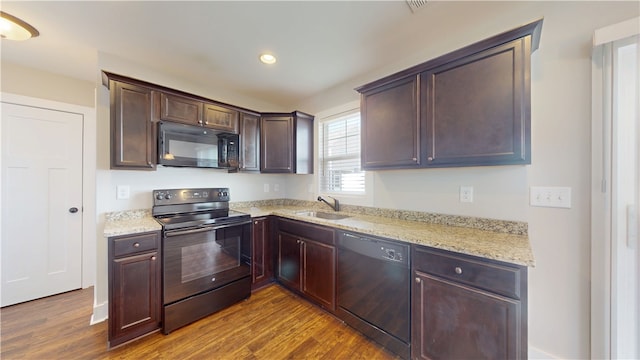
(267, 58)
(12, 28)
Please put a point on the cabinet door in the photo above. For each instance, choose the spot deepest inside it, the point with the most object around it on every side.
(180, 109)
(218, 117)
(262, 264)
(391, 128)
(134, 303)
(319, 273)
(132, 130)
(289, 260)
(249, 142)
(453, 321)
(477, 108)
(304, 143)
(276, 144)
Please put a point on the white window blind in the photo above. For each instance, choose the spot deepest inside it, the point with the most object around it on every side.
(339, 154)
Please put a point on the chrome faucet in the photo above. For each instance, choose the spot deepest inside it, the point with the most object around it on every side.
(336, 203)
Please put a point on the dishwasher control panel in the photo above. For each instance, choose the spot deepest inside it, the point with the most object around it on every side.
(374, 247)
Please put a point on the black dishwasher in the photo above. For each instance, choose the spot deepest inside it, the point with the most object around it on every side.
(373, 289)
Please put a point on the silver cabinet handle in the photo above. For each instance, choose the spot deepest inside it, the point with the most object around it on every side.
(458, 270)
(430, 158)
(136, 245)
(153, 258)
(418, 280)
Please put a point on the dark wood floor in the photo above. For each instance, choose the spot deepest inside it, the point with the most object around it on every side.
(272, 324)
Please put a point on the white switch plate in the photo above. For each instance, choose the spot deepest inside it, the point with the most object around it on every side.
(266, 188)
(547, 196)
(466, 194)
(122, 192)
(276, 187)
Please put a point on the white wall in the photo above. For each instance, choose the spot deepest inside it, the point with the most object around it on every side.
(559, 302)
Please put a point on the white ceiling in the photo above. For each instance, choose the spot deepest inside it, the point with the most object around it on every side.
(318, 44)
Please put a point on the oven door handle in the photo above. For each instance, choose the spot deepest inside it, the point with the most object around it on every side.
(203, 229)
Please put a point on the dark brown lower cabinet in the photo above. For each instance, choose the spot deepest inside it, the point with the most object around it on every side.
(134, 286)
(306, 261)
(467, 308)
(261, 258)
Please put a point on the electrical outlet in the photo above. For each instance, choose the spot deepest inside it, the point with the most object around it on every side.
(123, 192)
(546, 196)
(466, 194)
(266, 188)
(276, 187)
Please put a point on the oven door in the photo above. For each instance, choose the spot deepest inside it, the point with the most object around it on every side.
(202, 259)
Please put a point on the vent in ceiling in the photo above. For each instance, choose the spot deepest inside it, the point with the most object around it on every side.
(415, 5)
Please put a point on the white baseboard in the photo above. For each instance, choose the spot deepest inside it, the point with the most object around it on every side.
(100, 313)
(539, 354)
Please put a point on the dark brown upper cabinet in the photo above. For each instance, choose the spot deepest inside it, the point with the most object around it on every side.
(249, 142)
(220, 118)
(470, 107)
(186, 110)
(391, 132)
(132, 129)
(180, 109)
(269, 142)
(286, 143)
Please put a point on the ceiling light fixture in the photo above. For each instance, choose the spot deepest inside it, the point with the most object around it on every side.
(12, 28)
(267, 59)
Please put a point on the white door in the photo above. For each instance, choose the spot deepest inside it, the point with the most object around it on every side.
(41, 231)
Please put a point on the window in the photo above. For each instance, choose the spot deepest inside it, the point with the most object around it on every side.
(339, 154)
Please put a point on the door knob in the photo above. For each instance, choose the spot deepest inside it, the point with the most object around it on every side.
(73, 210)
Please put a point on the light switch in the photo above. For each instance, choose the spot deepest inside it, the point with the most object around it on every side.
(266, 188)
(122, 192)
(547, 196)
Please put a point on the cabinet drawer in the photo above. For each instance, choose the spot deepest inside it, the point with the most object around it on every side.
(132, 244)
(497, 278)
(313, 232)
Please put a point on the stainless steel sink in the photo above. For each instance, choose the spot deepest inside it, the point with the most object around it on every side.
(323, 215)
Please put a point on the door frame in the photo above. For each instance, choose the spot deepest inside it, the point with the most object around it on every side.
(88, 174)
(602, 247)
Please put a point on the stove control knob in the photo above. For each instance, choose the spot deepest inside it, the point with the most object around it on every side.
(220, 193)
(225, 194)
(159, 196)
(168, 196)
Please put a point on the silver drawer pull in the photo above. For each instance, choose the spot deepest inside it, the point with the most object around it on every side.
(136, 245)
(418, 280)
(153, 258)
(458, 270)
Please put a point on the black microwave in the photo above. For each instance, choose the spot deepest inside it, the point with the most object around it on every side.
(196, 146)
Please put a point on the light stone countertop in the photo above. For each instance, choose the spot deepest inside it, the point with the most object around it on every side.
(130, 222)
(492, 239)
(507, 247)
